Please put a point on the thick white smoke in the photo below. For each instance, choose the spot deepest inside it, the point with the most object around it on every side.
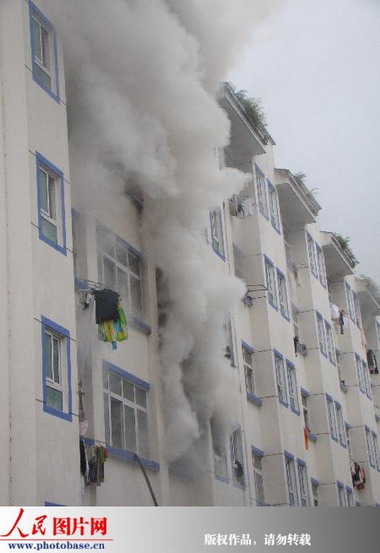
(140, 81)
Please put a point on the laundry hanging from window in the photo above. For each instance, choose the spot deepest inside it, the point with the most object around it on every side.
(92, 461)
(110, 317)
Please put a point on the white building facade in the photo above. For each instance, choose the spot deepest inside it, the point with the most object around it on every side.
(301, 343)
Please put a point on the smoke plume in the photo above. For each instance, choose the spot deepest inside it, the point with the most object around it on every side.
(140, 78)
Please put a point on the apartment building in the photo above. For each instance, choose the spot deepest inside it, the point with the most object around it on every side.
(83, 416)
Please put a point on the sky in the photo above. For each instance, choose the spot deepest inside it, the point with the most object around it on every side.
(315, 64)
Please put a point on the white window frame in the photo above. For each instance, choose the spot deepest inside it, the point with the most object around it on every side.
(258, 477)
(330, 343)
(321, 334)
(366, 379)
(360, 374)
(292, 387)
(127, 381)
(282, 294)
(305, 411)
(312, 255)
(350, 303)
(249, 370)
(279, 363)
(370, 447)
(340, 424)
(270, 277)
(217, 234)
(321, 265)
(55, 381)
(291, 480)
(376, 449)
(261, 183)
(123, 263)
(303, 484)
(273, 206)
(331, 418)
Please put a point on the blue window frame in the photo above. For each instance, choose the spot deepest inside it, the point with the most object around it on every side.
(321, 334)
(341, 494)
(56, 369)
(44, 51)
(51, 204)
(279, 365)
(321, 265)
(291, 479)
(331, 418)
(303, 481)
(125, 410)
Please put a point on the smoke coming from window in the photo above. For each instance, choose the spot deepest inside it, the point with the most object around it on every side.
(141, 77)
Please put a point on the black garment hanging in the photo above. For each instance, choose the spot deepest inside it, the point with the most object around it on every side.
(107, 302)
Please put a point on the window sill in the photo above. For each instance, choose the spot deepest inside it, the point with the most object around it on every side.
(223, 479)
(60, 414)
(60, 249)
(130, 457)
(254, 399)
(219, 254)
(140, 325)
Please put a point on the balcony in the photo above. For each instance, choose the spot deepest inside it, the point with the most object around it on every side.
(246, 139)
(298, 205)
(338, 261)
(368, 296)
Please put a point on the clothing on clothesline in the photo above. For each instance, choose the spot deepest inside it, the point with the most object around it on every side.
(107, 302)
(92, 461)
(358, 476)
(341, 321)
(114, 331)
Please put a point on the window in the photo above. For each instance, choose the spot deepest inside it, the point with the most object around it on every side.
(282, 295)
(320, 265)
(258, 476)
(341, 495)
(273, 207)
(292, 387)
(321, 334)
(305, 409)
(237, 457)
(350, 497)
(262, 192)
(230, 343)
(359, 370)
(340, 424)
(44, 52)
(248, 369)
(119, 268)
(376, 450)
(125, 410)
(56, 369)
(353, 304)
(356, 308)
(217, 239)
(271, 283)
(312, 255)
(370, 447)
(291, 480)
(366, 379)
(330, 343)
(315, 492)
(51, 204)
(331, 418)
(219, 450)
(303, 484)
(279, 364)
(348, 441)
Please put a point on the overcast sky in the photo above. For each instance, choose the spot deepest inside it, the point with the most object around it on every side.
(316, 66)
